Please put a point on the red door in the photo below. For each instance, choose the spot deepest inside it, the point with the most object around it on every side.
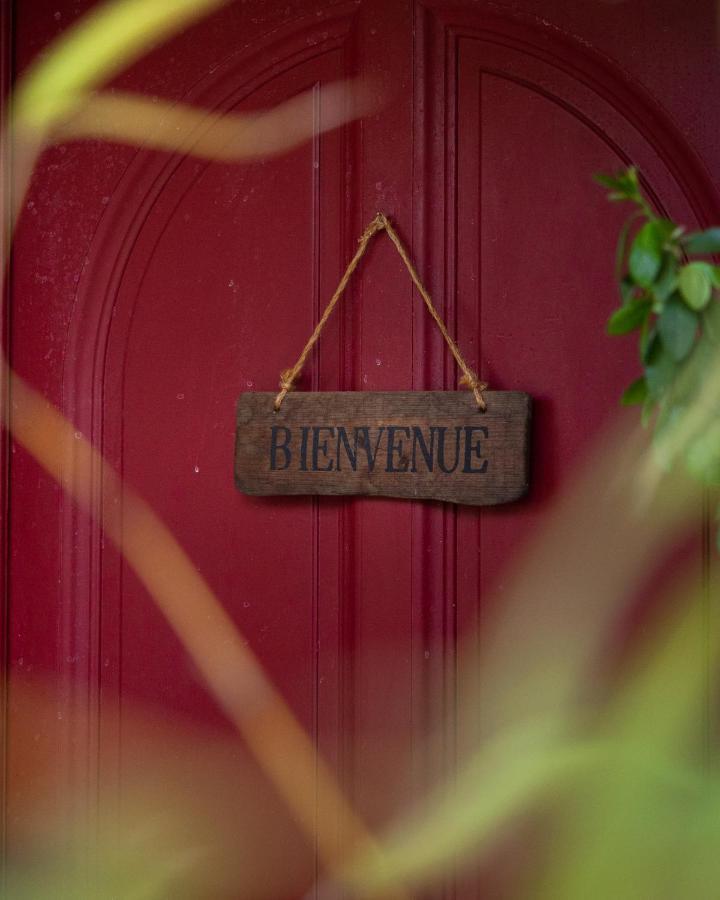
(150, 289)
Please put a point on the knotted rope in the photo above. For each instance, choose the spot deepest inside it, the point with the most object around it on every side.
(381, 223)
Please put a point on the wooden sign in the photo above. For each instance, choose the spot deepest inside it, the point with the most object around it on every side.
(417, 445)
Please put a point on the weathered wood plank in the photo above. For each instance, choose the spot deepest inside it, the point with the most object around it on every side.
(417, 445)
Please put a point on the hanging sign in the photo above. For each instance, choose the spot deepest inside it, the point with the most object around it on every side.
(456, 446)
(417, 445)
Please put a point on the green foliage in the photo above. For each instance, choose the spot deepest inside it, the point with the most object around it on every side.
(671, 298)
(628, 317)
(637, 393)
(703, 242)
(647, 250)
(696, 283)
(677, 326)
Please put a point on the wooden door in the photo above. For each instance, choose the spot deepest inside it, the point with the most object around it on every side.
(149, 290)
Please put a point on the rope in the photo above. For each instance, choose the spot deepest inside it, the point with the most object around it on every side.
(381, 223)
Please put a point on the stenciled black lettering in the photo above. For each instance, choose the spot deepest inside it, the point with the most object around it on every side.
(470, 448)
(342, 439)
(362, 438)
(284, 448)
(304, 431)
(441, 429)
(321, 447)
(419, 441)
(408, 448)
(392, 448)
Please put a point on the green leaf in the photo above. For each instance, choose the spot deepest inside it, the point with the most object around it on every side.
(667, 280)
(647, 336)
(646, 253)
(628, 317)
(677, 326)
(622, 243)
(624, 185)
(703, 241)
(608, 181)
(715, 275)
(627, 290)
(711, 322)
(630, 176)
(660, 368)
(636, 394)
(670, 419)
(695, 283)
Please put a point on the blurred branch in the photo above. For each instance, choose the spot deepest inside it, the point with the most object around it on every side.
(228, 667)
(54, 102)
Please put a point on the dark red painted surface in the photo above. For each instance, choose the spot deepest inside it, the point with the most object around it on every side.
(149, 290)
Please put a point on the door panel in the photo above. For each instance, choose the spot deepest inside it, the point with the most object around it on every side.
(150, 290)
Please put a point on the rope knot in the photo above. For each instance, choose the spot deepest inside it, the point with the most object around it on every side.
(378, 223)
(287, 380)
(476, 386)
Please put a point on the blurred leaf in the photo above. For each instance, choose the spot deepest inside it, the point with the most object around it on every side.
(505, 777)
(104, 42)
(648, 334)
(630, 825)
(627, 290)
(636, 393)
(629, 317)
(138, 120)
(646, 253)
(660, 368)
(624, 185)
(622, 244)
(119, 872)
(711, 322)
(647, 410)
(668, 424)
(677, 326)
(695, 283)
(667, 280)
(703, 241)
(627, 788)
(661, 701)
(608, 181)
(703, 456)
(696, 402)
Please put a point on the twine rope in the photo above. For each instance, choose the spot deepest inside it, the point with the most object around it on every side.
(381, 223)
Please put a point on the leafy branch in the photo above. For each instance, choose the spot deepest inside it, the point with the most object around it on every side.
(670, 297)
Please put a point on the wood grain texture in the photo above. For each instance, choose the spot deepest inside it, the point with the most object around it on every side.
(415, 445)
